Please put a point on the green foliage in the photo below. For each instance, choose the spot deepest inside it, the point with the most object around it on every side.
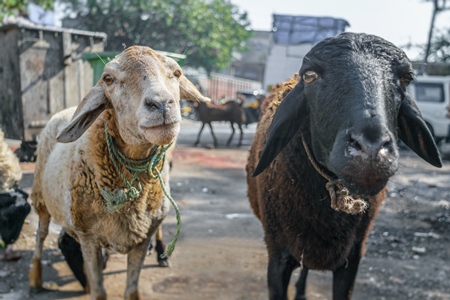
(206, 31)
(440, 47)
(19, 7)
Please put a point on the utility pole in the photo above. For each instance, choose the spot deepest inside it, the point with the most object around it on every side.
(436, 9)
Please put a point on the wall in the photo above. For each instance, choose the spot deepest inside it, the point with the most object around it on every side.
(283, 62)
(11, 108)
(227, 86)
(46, 74)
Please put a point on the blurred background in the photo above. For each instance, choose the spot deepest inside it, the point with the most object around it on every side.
(232, 50)
(54, 51)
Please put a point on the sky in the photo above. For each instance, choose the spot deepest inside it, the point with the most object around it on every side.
(398, 21)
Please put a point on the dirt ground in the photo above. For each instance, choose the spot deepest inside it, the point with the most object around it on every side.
(221, 254)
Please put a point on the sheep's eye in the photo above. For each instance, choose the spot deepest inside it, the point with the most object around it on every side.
(177, 73)
(309, 76)
(108, 79)
(406, 79)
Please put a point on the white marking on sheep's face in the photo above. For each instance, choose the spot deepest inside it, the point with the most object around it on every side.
(143, 88)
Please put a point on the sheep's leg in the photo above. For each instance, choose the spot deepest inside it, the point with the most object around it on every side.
(134, 264)
(301, 284)
(242, 135)
(344, 276)
(71, 250)
(198, 135)
(93, 266)
(213, 135)
(281, 265)
(160, 248)
(232, 134)
(35, 274)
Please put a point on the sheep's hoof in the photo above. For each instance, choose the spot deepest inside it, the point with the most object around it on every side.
(163, 262)
(132, 296)
(35, 275)
(36, 290)
(150, 249)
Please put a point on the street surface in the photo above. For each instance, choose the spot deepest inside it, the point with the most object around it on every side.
(221, 253)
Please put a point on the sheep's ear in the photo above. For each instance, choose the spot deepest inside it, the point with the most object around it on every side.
(188, 91)
(87, 111)
(285, 124)
(414, 132)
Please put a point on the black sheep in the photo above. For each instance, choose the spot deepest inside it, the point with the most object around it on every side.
(327, 147)
(231, 111)
(14, 208)
(71, 250)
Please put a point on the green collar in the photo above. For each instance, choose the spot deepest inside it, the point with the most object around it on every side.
(116, 199)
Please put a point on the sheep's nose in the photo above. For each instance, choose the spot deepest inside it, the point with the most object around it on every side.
(162, 106)
(374, 149)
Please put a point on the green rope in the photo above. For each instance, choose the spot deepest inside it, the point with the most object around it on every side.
(116, 200)
(171, 246)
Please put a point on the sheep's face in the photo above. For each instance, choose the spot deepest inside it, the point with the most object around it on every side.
(352, 99)
(354, 88)
(144, 89)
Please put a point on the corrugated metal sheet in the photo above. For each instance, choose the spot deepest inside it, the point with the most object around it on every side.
(10, 96)
(295, 30)
(41, 73)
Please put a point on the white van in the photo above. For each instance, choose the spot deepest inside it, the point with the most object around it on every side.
(432, 94)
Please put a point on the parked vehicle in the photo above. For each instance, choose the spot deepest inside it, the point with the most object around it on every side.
(432, 95)
(187, 110)
(252, 100)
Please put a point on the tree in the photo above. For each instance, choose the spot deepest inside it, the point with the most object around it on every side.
(206, 31)
(438, 6)
(19, 7)
(440, 47)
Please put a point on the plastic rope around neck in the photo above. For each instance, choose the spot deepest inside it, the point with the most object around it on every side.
(116, 199)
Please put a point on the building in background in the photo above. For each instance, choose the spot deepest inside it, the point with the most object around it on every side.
(250, 64)
(274, 56)
(292, 37)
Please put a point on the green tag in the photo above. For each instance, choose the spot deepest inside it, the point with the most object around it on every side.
(115, 200)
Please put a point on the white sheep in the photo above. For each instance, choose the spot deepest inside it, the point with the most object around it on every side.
(100, 200)
(13, 202)
(10, 171)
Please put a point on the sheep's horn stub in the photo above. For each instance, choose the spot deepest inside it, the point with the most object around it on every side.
(196, 97)
(205, 99)
(189, 91)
